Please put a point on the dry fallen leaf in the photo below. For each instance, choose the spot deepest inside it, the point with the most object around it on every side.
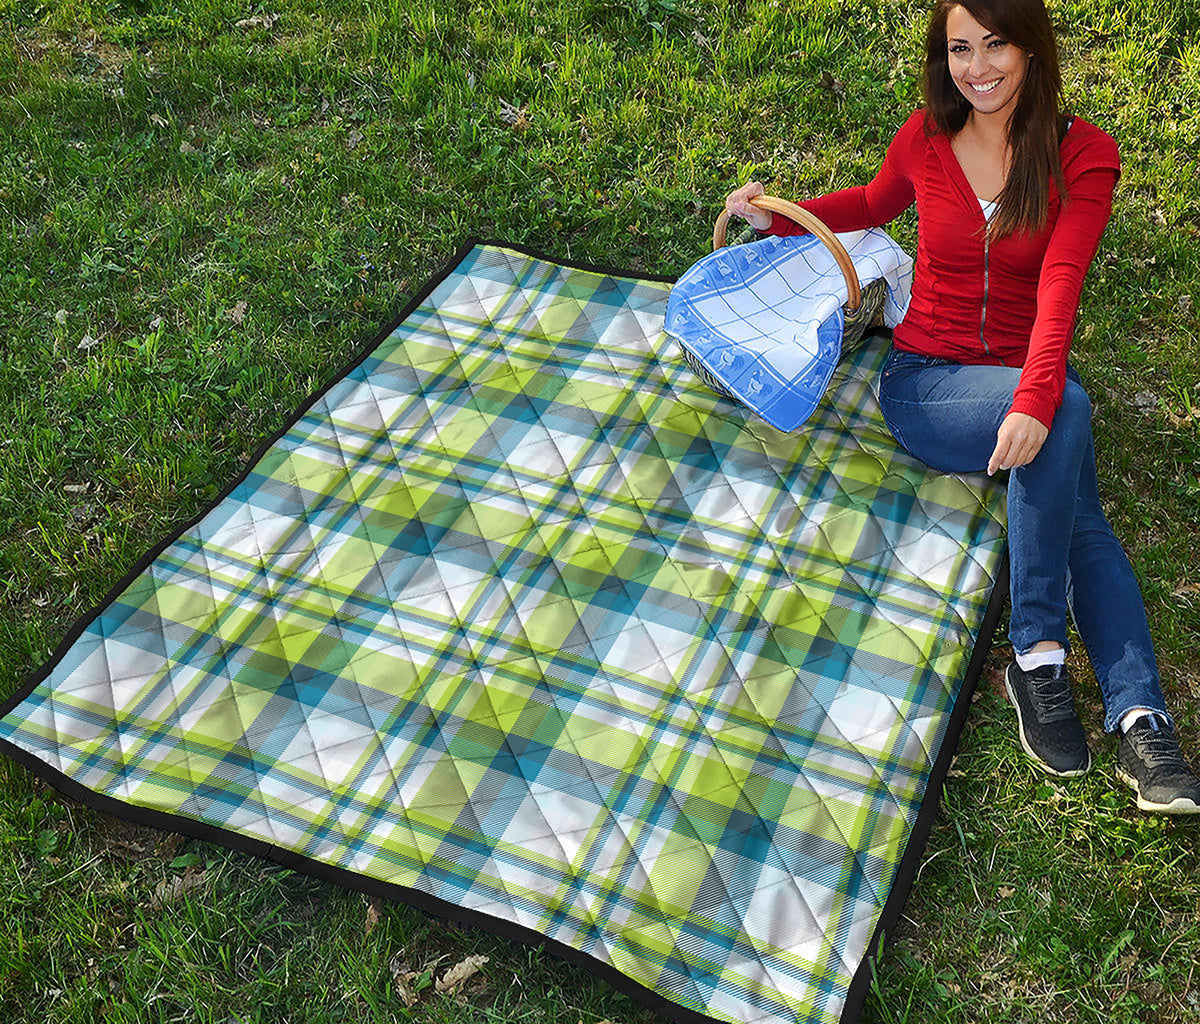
(171, 889)
(87, 341)
(158, 120)
(238, 312)
(60, 317)
(1145, 401)
(403, 977)
(1005, 891)
(374, 914)
(831, 84)
(186, 147)
(460, 972)
(405, 990)
(75, 488)
(354, 139)
(257, 21)
(512, 115)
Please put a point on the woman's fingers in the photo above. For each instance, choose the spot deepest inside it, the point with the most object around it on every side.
(745, 192)
(996, 461)
(1018, 441)
(737, 204)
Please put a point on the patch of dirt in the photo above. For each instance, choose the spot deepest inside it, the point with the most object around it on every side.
(123, 840)
(85, 55)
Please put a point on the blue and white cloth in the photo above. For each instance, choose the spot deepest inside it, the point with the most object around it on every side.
(766, 320)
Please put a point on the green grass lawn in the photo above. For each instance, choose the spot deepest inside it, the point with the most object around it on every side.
(198, 222)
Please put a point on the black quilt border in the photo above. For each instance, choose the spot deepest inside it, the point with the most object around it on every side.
(286, 858)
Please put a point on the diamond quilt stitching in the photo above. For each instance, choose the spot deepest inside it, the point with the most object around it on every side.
(521, 617)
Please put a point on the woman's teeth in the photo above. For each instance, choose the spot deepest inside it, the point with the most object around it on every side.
(986, 88)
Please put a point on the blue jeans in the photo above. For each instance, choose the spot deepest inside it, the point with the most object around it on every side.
(1062, 551)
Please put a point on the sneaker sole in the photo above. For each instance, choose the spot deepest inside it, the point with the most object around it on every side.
(1073, 773)
(1180, 805)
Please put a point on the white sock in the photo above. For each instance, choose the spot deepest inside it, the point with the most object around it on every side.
(1130, 717)
(1036, 659)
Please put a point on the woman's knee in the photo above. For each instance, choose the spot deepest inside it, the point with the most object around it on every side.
(1073, 420)
(1070, 437)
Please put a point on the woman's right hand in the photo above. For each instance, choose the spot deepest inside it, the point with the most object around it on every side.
(737, 204)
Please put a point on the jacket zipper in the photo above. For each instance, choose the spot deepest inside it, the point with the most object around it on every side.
(983, 308)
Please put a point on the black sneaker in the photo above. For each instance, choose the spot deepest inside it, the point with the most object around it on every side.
(1149, 760)
(1051, 732)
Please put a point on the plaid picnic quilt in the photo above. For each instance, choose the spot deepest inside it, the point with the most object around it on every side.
(520, 622)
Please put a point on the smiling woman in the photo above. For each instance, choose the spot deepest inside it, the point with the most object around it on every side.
(997, 91)
(1012, 198)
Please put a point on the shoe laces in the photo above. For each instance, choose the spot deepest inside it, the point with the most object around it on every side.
(1053, 693)
(1158, 748)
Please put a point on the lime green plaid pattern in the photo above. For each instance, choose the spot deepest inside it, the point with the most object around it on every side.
(521, 616)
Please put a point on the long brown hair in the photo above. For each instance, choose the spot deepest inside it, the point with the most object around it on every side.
(1035, 125)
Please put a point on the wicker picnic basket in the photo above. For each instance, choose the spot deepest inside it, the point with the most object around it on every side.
(862, 308)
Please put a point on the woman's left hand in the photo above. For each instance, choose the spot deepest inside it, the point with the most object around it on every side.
(1018, 441)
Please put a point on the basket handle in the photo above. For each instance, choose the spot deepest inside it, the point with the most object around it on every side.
(806, 220)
